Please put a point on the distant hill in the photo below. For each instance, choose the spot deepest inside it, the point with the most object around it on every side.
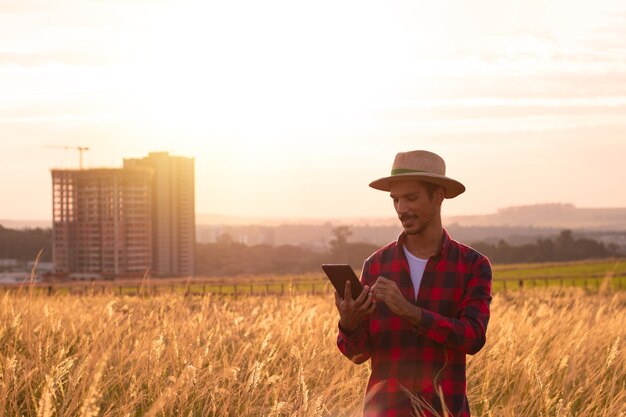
(541, 216)
(516, 225)
(225, 220)
(562, 216)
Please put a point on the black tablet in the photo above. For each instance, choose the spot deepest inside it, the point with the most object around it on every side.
(338, 274)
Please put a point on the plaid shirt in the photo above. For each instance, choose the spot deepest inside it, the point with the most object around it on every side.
(427, 361)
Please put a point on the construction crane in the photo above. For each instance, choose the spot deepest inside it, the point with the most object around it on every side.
(80, 150)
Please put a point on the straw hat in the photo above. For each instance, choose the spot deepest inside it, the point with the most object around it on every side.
(423, 166)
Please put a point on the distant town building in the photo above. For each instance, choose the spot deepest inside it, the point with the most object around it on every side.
(6, 262)
(40, 267)
(102, 221)
(125, 221)
(8, 278)
(173, 212)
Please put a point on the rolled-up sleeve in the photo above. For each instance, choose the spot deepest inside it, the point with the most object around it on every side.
(355, 346)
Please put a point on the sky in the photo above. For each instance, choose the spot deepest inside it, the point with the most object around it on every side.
(290, 108)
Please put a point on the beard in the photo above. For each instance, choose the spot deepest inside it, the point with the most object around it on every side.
(412, 225)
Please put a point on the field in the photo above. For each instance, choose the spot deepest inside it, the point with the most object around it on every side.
(550, 352)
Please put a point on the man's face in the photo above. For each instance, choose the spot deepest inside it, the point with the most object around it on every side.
(416, 209)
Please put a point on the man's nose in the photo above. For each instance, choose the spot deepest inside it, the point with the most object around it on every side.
(401, 207)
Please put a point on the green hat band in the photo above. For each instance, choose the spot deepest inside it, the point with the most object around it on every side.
(403, 171)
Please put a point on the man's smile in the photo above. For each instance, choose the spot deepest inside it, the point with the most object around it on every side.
(407, 219)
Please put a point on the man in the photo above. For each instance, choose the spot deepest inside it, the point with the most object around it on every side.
(425, 303)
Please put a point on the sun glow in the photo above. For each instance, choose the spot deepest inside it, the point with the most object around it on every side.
(299, 99)
(245, 69)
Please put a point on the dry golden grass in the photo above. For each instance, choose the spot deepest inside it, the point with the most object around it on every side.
(549, 353)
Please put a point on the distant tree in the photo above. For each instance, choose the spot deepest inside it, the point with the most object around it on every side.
(547, 248)
(565, 238)
(24, 245)
(358, 252)
(225, 238)
(339, 243)
(230, 258)
(562, 248)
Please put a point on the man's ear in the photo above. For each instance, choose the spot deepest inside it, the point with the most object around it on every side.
(439, 195)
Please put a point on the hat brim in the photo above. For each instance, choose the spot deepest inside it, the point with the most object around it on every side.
(453, 187)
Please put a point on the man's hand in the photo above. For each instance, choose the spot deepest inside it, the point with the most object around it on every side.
(352, 312)
(387, 291)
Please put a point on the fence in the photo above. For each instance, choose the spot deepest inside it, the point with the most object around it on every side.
(154, 287)
(616, 281)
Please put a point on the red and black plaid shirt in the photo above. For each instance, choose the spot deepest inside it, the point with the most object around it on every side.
(427, 361)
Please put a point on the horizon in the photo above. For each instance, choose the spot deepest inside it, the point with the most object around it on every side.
(286, 220)
(525, 101)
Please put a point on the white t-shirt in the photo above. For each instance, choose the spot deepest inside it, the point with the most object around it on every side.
(416, 267)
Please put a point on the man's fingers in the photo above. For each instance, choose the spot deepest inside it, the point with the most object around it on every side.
(337, 299)
(382, 280)
(367, 304)
(361, 298)
(371, 308)
(347, 292)
(381, 294)
(380, 283)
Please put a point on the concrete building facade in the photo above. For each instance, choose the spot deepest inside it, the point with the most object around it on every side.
(125, 221)
(102, 221)
(173, 212)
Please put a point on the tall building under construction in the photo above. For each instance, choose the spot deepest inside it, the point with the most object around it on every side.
(102, 221)
(119, 222)
(173, 212)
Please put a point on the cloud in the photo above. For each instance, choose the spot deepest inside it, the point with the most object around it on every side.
(25, 59)
(21, 7)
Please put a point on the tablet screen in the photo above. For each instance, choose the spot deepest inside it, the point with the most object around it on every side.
(338, 274)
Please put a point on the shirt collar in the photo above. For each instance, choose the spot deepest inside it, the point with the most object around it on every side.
(443, 250)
